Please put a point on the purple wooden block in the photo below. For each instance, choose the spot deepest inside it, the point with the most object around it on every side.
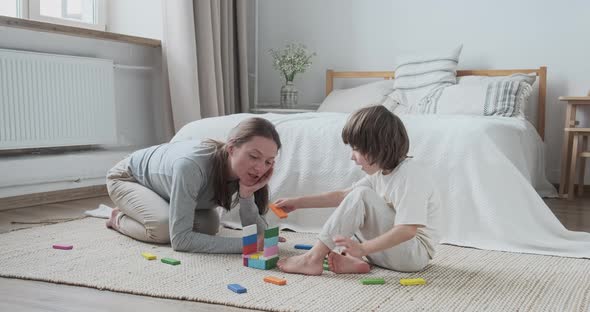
(62, 247)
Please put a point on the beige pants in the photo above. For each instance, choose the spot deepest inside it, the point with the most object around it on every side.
(144, 214)
(365, 215)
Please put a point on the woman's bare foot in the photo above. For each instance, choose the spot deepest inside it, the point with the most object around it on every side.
(347, 264)
(302, 264)
(112, 221)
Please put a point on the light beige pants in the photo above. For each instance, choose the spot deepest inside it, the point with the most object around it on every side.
(144, 214)
(365, 215)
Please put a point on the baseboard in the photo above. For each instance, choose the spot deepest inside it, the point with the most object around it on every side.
(586, 187)
(36, 199)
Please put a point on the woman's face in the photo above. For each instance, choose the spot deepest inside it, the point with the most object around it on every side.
(251, 160)
(362, 161)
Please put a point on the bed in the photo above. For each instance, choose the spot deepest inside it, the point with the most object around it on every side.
(490, 171)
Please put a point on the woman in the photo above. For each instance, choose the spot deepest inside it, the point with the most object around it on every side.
(169, 192)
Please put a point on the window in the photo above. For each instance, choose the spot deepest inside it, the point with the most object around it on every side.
(79, 13)
(10, 8)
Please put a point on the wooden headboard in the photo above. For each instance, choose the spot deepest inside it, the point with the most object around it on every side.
(541, 73)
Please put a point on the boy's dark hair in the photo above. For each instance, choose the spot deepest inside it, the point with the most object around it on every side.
(379, 135)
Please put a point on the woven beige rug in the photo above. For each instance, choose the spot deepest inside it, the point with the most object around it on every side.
(458, 279)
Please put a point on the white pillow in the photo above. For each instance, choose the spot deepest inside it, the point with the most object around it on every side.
(352, 99)
(419, 79)
(487, 96)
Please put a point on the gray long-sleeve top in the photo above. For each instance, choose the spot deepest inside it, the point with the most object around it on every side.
(180, 173)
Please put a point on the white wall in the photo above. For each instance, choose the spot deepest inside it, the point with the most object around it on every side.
(142, 18)
(141, 116)
(368, 35)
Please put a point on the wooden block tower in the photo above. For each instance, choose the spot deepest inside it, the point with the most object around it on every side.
(266, 259)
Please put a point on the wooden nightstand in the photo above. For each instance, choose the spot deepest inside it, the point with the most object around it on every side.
(278, 110)
(568, 139)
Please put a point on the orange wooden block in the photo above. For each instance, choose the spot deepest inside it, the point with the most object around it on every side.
(278, 211)
(275, 280)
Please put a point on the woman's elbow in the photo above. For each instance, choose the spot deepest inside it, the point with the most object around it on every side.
(177, 245)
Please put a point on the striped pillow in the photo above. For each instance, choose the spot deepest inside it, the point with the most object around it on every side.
(419, 79)
(504, 96)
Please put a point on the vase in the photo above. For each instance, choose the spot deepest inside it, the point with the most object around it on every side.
(289, 95)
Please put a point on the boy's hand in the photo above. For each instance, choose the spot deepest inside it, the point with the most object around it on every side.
(247, 190)
(351, 247)
(287, 204)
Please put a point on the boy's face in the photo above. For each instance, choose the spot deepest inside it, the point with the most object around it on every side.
(362, 161)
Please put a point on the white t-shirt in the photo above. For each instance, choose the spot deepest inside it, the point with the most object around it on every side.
(410, 192)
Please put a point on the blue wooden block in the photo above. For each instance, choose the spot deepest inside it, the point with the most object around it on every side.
(303, 246)
(257, 264)
(249, 240)
(273, 241)
(237, 288)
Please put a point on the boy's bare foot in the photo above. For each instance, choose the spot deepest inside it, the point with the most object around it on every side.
(302, 264)
(112, 221)
(347, 264)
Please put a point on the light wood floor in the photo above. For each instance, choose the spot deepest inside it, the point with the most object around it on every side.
(21, 295)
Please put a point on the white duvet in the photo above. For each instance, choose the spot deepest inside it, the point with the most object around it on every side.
(490, 173)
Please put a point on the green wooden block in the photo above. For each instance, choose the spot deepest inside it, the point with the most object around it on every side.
(326, 267)
(373, 281)
(171, 261)
(268, 233)
(271, 263)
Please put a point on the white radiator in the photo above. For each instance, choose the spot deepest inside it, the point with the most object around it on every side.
(49, 100)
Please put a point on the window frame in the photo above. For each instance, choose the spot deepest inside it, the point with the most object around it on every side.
(30, 9)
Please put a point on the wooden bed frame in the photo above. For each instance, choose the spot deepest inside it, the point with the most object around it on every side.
(541, 73)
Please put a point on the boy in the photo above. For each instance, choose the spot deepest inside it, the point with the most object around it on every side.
(393, 212)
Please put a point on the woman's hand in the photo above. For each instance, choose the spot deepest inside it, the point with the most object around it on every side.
(351, 247)
(260, 241)
(287, 204)
(248, 190)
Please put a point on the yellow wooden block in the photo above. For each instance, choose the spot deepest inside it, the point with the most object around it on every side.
(148, 256)
(255, 256)
(412, 281)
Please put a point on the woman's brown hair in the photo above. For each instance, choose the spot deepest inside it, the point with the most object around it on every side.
(379, 135)
(242, 133)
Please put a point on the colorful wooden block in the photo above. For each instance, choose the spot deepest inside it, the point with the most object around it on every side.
(271, 263)
(237, 288)
(249, 230)
(63, 247)
(249, 249)
(272, 241)
(249, 240)
(265, 260)
(373, 281)
(257, 264)
(271, 251)
(148, 256)
(278, 211)
(412, 281)
(275, 280)
(303, 246)
(170, 261)
(255, 256)
(272, 232)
